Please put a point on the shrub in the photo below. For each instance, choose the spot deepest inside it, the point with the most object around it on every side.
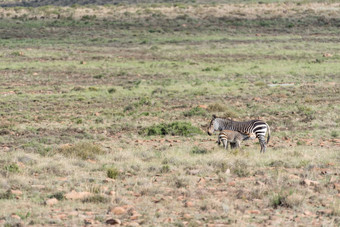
(96, 199)
(240, 168)
(286, 198)
(198, 150)
(111, 90)
(216, 107)
(165, 169)
(83, 150)
(58, 195)
(7, 195)
(112, 173)
(196, 111)
(175, 128)
(13, 168)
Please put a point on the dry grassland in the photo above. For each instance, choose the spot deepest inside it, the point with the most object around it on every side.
(103, 111)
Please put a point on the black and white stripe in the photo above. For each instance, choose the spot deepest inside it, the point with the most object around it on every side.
(257, 127)
(233, 138)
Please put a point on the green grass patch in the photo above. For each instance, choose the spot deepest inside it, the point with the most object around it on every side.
(174, 129)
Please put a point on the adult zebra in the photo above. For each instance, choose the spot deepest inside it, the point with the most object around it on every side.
(258, 127)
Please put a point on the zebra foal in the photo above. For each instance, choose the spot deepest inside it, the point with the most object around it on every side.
(231, 137)
(247, 128)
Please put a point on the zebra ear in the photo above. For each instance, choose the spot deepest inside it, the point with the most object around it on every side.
(214, 116)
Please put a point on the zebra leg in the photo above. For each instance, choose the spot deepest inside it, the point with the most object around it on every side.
(238, 144)
(219, 141)
(226, 144)
(262, 143)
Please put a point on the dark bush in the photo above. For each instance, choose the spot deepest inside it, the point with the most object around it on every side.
(175, 128)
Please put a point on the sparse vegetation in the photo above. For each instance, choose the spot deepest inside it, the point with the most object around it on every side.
(83, 150)
(175, 128)
(103, 106)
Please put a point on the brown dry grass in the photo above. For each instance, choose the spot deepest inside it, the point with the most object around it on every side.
(237, 11)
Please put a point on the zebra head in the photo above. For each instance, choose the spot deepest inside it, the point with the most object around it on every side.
(213, 125)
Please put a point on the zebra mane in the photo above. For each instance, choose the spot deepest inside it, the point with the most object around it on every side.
(221, 123)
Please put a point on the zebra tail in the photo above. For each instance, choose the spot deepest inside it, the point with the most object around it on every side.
(268, 133)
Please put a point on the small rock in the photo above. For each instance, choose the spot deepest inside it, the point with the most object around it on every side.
(309, 182)
(254, 212)
(108, 180)
(227, 171)
(308, 213)
(189, 204)
(187, 216)
(201, 181)
(113, 221)
(327, 55)
(15, 216)
(231, 183)
(135, 215)
(260, 183)
(326, 211)
(16, 192)
(193, 171)
(73, 195)
(118, 210)
(203, 106)
(88, 221)
(133, 224)
(38, 186)
(337, 187)
(51, 202)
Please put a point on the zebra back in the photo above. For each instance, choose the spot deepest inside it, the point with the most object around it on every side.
(258, 127)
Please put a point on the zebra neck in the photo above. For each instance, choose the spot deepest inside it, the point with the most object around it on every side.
(225, 124)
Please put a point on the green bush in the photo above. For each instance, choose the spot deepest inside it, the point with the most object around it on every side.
(7, 195)
(112, 173)
(175, 128)
(13, 168)
(196, 111)
(198, 150)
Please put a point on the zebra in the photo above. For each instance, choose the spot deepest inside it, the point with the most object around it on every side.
(248, 128)
(231, 137)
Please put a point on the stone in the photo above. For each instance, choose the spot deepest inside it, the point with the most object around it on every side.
(308, 213)
(16, 192)
(254, 212)
(38, 186)
(189, 204)
(187, 216)
(73, 195)
(88, 221)
(51, 202)
(118, 210)
(337, 187)
(15, 216)
(309, 182)
(113, 221)
(231, 183)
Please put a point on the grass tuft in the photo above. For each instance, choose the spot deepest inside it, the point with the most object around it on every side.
(112, 173)
(96, 199)
(196, 111)
(83, 150)
(199, 150)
